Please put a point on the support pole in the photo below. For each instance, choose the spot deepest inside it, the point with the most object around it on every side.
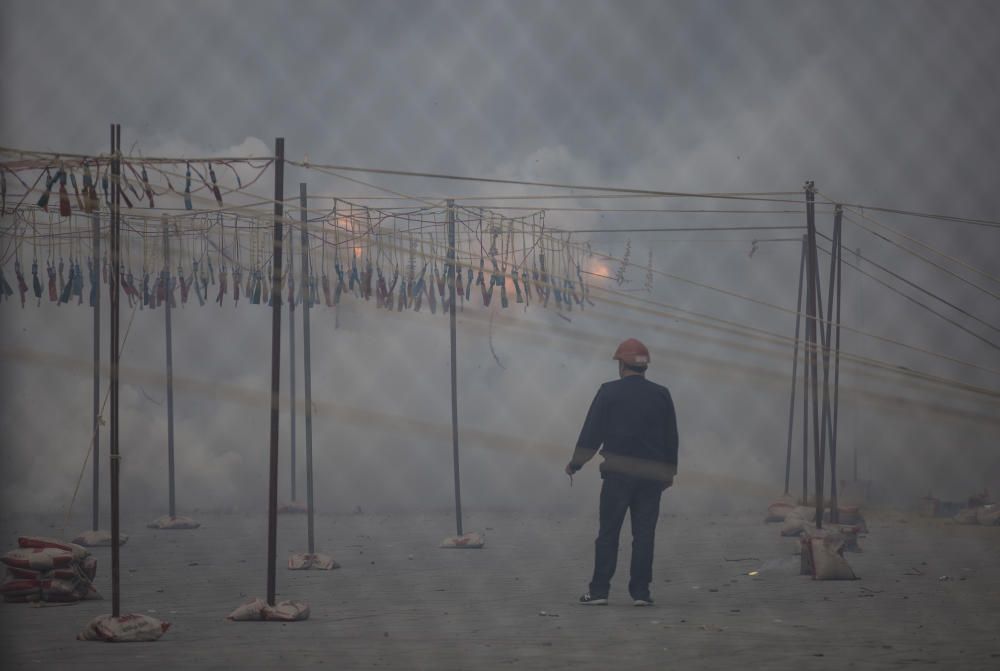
(116, 141)
(291, 365)
(272, 493)
(454, 364)
(170, 366)
(795, 364)
(837, 261)
(307, 362)
(811, 339)
(95, 219)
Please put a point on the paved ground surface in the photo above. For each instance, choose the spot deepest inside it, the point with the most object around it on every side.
(400, 602)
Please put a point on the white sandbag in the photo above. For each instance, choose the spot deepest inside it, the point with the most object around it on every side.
(38, 559)
(257, 609)
(988, 515)
(778, 510)
(473, 539)
(794, 525)
(287, 611)
(21, 589)
(176, 522)
(294, 508)
(249, 611)
(79, 552)
(130, 628)
(828, 559)
(94, 539)
(299, 561)
(967, 516)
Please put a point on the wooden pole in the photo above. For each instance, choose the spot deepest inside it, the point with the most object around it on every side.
(116, 141)
(291, 368)
(307, 357)
(272, 498)
(811, 338)
(838, 234)
(795, 364)
(454, 364)
(95, 219)
(170, 366)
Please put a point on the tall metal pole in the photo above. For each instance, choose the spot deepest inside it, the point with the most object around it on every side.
(307, 361)
(170, 366)
(805, 419)
(291, 362)
(838, 234)
(854, 423)
(272, 493)
(826, 337)
(454, 364)
(95, 219)
(811, 331)
(116, 141)
(795, 365)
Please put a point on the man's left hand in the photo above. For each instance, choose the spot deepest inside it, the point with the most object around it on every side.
(570, 470)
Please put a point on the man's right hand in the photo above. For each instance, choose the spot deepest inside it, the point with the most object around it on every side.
(570, 470)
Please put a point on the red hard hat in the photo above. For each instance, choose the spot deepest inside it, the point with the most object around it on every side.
(632, 353)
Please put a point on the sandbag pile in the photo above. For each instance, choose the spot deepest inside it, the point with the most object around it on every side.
(257, 609)
(778, 510)
(175, 522)
(130, 628)
(299, 561)
(987, 515)
(45, 569)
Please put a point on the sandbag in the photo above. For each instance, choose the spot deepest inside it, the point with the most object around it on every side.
(988, 515)
(287, 611)
(472, 539)
(79, 552)
(257, 609)
(176, 522)
(99, 539)
(21, 589)
(130, 628)
(795, 524)
(303, 561)
(828, 559)
(37, 559)
(777, 511)
(967, 516)
(293, 507)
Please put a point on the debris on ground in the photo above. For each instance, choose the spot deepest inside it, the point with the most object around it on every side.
(46, 569)
(471, 540)
(129, 628)
(99, 538)
(283, 611)
(299, 561)
(173, 522)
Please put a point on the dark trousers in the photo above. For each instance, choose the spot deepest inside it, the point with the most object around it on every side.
(641, 498)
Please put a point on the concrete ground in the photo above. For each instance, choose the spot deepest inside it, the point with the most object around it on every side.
(928, 597)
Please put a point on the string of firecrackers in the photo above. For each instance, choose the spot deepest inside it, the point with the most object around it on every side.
(558, 283)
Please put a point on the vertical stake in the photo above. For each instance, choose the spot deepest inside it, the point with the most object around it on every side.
(291, 367)
(170, 365)
(454, 364)
(307, 361)
(795, 364)
(811, 338)
(837, 261)
(95, 218)
(116, 140)
(272, 493)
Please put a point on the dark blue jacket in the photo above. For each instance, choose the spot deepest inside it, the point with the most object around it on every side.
(635, 422)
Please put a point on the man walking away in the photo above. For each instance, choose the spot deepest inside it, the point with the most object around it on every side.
(634, 420)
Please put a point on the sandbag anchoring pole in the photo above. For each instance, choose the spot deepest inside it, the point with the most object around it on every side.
(811, 340)
(95, 219)
(304, 282)
(116, 143)
(272, 494)
(454, 364)
(795, 364)
(170, 365)
(291, 367)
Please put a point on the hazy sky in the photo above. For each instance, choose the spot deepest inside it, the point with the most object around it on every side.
(884, 103)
